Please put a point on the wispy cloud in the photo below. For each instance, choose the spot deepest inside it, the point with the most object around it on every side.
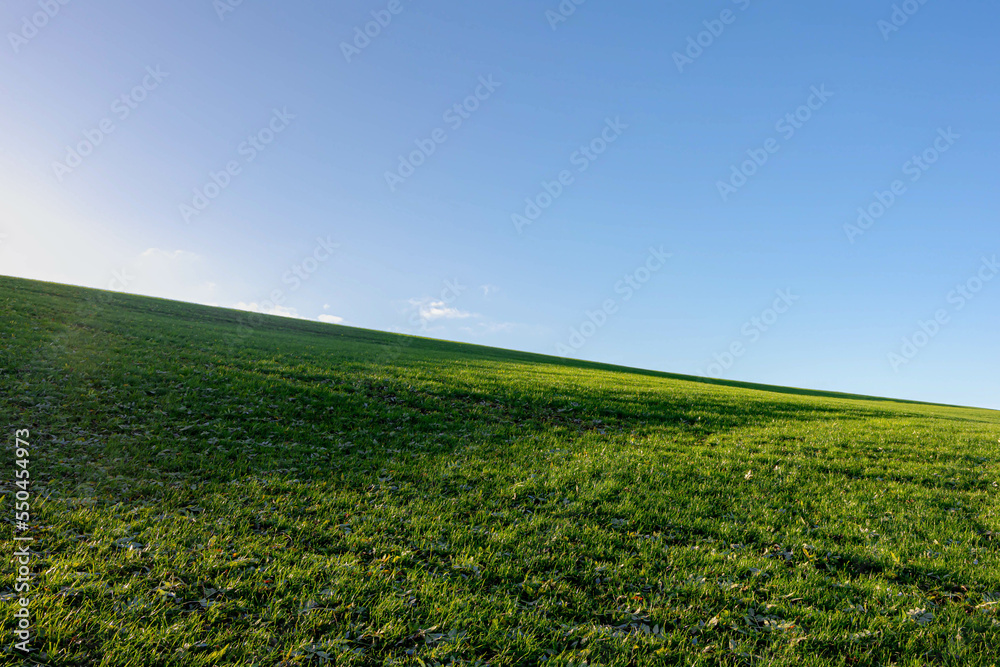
(431, 309)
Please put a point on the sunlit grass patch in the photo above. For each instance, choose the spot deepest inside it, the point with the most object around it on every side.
(314, 494)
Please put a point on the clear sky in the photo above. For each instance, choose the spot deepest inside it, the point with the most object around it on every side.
(673, 186)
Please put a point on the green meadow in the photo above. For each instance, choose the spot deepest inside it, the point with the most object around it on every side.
(212, 488)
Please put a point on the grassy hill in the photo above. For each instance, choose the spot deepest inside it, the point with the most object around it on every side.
(210, 488)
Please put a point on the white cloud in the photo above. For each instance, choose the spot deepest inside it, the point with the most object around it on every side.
(331, 319)
(439, 318)
(489, 289)
(429, 310)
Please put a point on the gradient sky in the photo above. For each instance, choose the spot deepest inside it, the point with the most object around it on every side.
(438, 253)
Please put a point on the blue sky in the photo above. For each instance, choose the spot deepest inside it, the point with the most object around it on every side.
(671, 186)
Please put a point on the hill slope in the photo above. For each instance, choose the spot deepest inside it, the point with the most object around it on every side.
(209, 490)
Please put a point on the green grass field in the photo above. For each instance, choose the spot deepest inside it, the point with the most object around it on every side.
(283, 492)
